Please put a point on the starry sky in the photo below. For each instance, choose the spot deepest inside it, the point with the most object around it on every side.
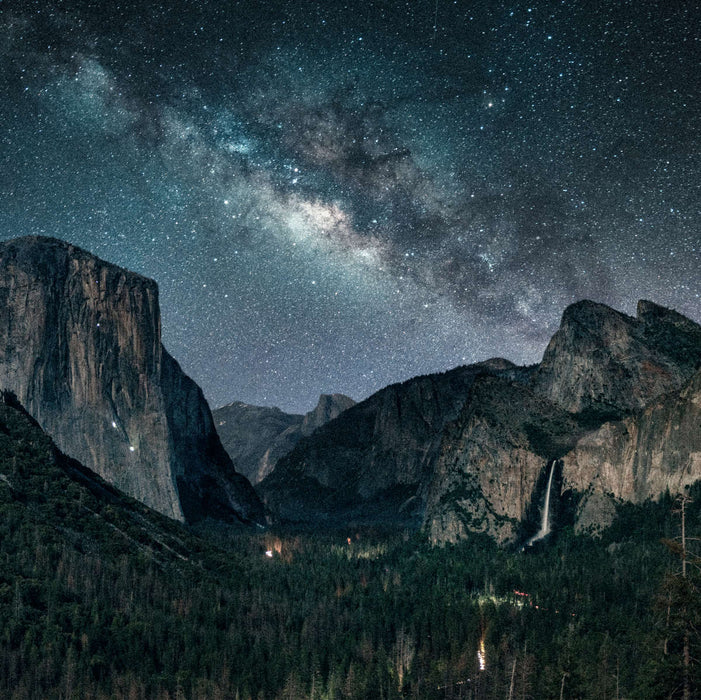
(336, 196)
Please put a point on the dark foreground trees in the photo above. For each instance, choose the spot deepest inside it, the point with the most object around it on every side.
(674, 671)
(101, 599)
(381, 618)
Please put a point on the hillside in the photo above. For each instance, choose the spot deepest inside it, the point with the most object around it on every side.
(101, 597)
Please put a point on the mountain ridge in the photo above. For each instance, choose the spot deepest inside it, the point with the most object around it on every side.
(256, 437)
(396, 430)
(483, 472)
(614, 401)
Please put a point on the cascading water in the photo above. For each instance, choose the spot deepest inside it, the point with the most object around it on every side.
(545, 518)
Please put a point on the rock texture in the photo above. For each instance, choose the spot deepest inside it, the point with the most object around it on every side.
(256, 437)
(615, 402)
(374, 461)
(600, 364)
(491, 459)
(80, 346)
(610, 364)
(655, 450)
(329, 406)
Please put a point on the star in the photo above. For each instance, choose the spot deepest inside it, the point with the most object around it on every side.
(312, 183)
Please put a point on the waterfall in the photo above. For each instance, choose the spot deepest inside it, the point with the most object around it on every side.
(545, 518)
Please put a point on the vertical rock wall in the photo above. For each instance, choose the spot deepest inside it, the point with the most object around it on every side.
(80, 346)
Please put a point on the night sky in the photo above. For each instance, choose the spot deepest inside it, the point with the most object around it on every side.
(336, 196)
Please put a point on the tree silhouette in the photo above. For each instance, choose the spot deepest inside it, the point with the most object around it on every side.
(682, 594)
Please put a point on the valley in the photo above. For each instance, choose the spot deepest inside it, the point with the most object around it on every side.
(492, 531)
(101, 597)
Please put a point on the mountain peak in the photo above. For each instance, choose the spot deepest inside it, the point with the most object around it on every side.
(47, 248)
(587, 311)
(328, 407)
(648, 313)
(603, 360)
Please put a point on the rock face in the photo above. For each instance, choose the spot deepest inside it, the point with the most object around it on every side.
(80, 346)
(42, 486)
(256, 437)
(610, 364)
(491, 459)
(655, 450)
(614, 404)
(374, 461)
(330, 406)
(600, 364)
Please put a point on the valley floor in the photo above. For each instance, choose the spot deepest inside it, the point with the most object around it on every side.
(102, 598)
(356, 614)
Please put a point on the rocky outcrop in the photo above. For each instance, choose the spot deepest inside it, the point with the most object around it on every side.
(375, 460)
(656, 450)
(329, 406)
(491, 459)
(256, 437)
(80, 346)
(609, 364)
(600, 364)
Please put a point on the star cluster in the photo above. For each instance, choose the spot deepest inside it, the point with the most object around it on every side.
(334, 196)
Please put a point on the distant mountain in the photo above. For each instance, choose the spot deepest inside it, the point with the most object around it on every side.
(256, 437)
(247, 432)
(80, 346)
(468, 451)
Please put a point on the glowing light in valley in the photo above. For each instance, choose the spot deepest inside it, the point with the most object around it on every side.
(482, 656)
(269, 553)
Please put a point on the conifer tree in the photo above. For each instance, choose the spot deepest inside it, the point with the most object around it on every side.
(681, 590)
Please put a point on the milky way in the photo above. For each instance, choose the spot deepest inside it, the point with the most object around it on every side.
(334, 197)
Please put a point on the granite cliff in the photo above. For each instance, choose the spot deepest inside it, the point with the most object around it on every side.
(612, 401)
(609, 364)
(492, 458)
(248, 433)
(256, 437)
(657, 449)
(80, 347)
(374, 461)
(614, 404)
